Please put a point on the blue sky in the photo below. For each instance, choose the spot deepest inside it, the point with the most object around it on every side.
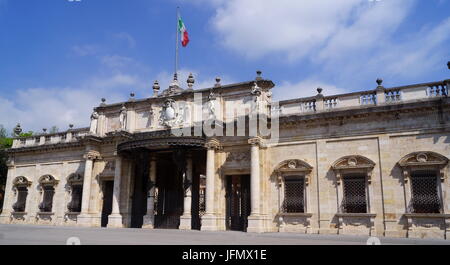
(58, 58)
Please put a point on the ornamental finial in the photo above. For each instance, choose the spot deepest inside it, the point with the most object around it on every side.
(190, 81)
(217, 82)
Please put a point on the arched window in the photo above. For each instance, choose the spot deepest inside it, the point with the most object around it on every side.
(75, 186)
(47, 185)
(20, 186)
(354, 173)
(293, 178)
(423, 173)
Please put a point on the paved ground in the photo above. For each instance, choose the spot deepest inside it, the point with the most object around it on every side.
(50, 235)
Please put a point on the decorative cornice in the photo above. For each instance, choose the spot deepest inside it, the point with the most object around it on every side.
(355, 163)
(255, 141)
(92, 155)
(424, 160)
(213, 144)
(21, 181)
(48, 180)
(291, 167)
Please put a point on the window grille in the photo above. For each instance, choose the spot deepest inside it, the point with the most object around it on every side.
(201, 202)
(294, 195)
(74, 205)
(355, 197)
(22, 193)
(425, 197)
(47, 203)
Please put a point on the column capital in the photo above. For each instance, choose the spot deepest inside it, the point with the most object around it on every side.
(213, 144)
(255, 141)
(92, 155)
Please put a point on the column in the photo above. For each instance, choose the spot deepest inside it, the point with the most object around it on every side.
(186, 218)
(209, 220)
(9, 197)
(115, 218)
(84, 219)
(255, 220)
(149, 218)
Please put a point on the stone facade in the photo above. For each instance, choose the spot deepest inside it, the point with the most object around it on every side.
(367, 163)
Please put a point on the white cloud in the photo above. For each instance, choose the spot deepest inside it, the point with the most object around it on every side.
(372, 27)
(424, 51)
(37, 108)
(201, 82)
(339, 37)
(85, 50)
(292, 28)
(116, 61)
(305, 88)
(41, 107)
(131, 42)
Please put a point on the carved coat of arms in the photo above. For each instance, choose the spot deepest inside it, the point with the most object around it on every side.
(170, 116)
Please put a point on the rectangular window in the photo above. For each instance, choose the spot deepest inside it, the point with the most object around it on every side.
(75, 203)
(355, 197)
(425, 196)
(46, 205)
(22, 193)
(294, 195)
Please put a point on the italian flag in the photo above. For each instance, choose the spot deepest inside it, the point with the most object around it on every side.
(183, 32)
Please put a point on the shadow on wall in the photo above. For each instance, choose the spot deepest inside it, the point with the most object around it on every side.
(2, 196)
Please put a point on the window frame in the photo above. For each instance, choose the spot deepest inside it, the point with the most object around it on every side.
(347, 177)
(424, 161)
(21, 182)
(74, 180)
(352, 165)
(293, 168)
(45, 182)
(294, 178)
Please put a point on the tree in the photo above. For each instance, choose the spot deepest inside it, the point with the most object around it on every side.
(54, 129)
(5, 142)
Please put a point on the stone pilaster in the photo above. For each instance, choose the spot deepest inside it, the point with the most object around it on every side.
(149, 218)
(8, 197)
(186, 218)
(255, 220)
(209, 220)
(85, 218)
(115, 218)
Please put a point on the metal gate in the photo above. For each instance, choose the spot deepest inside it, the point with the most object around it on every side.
(238, 202)
(169, 207)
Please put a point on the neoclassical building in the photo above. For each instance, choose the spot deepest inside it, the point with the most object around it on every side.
(368, 163)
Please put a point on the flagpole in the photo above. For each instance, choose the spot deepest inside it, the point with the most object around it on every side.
(177, 40)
